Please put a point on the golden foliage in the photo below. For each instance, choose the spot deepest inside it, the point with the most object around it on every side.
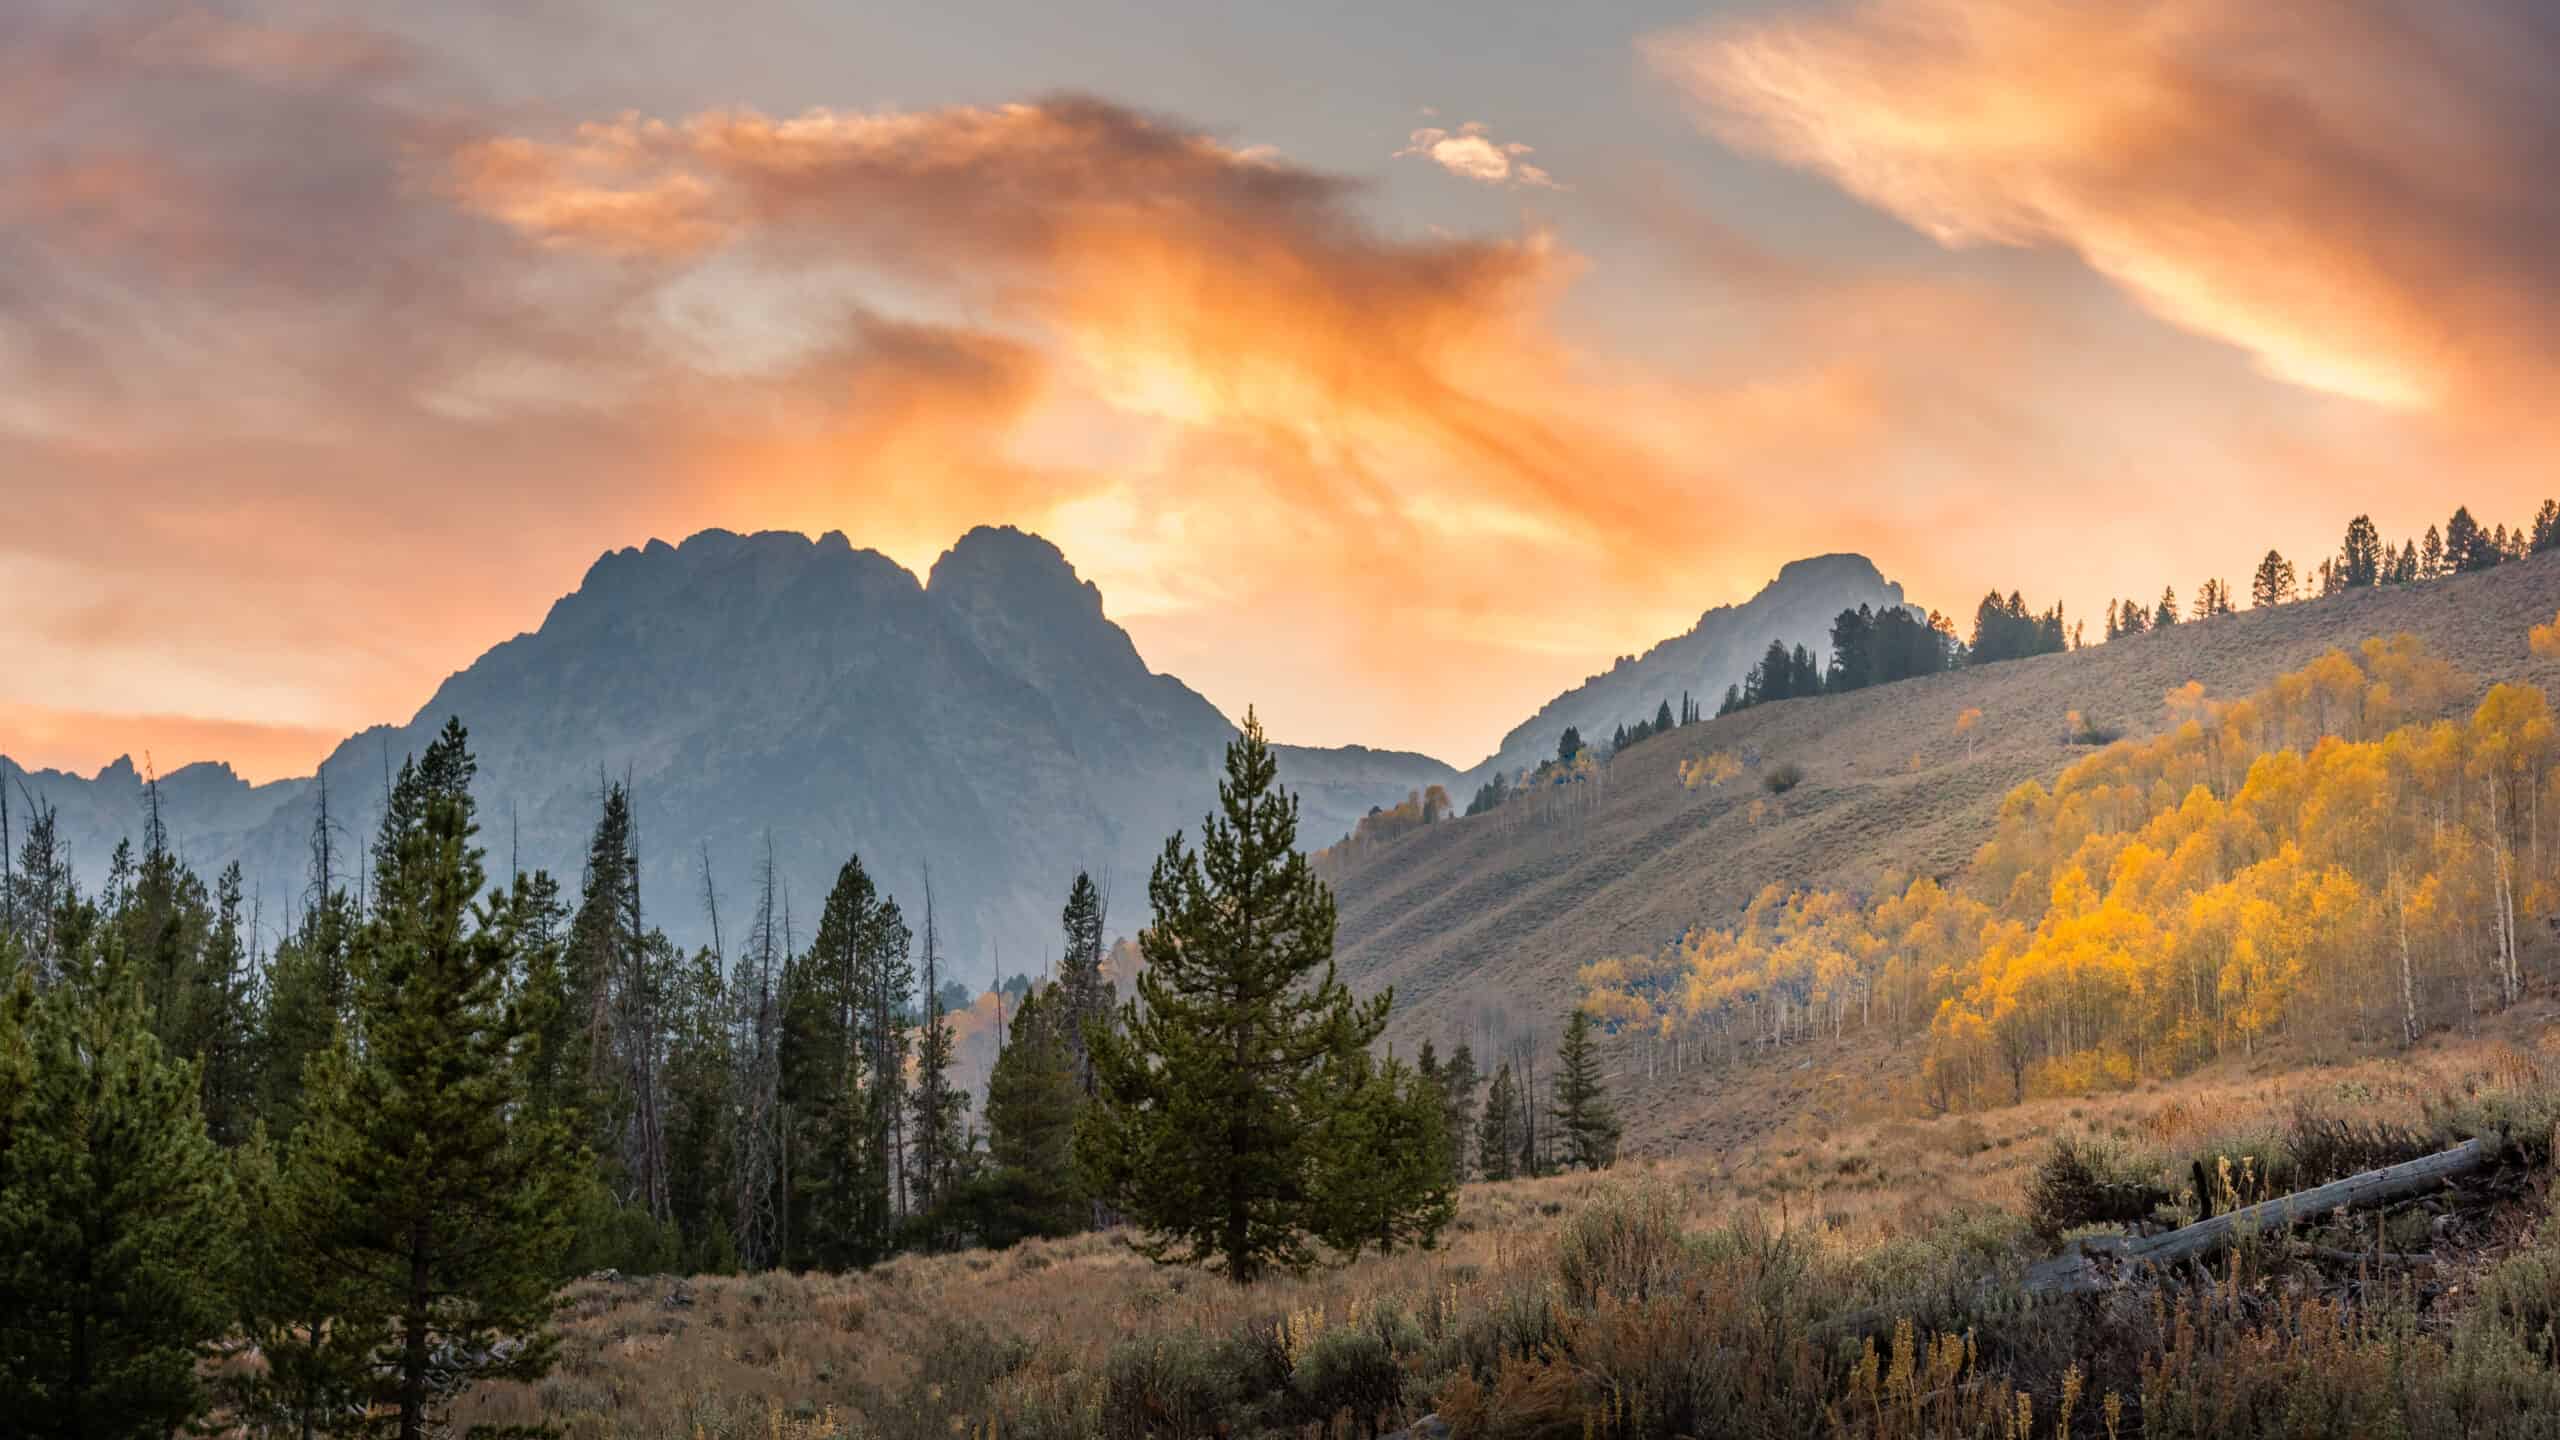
(2327, 856)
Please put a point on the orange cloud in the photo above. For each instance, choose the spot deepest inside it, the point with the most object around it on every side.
(1276, 395)
(2341, 188)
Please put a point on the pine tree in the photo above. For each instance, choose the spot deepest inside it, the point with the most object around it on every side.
(433, 1193)
(617, 990)
(1498, 1135)
(1569, 745)
(230, 1029)
(2166, 614)
(938, 1109)
(1033, 1098)
(1213, 1093)
(1084, 996)
(1383, 1179)
(2360, 555)
(310, 991)
(2546, 528)
(1662, 721)
(2431, 555)
(2273, 584)
(2466, 546)
(843, 1064)
(1458, 1082)
(1586, 1121)
(699, 1083)
(119, 1224)
(1804, 677)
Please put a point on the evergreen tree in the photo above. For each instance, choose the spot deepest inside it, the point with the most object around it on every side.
(119, 1224)
(1384, 1179)
(1662, 718)
(2546, 528)
(437, 1198)
(1569, 745)
(618, 981)
(1804, 674)
(44, 898)
(699, 1084)
(842, 1069)
(1853, 658)
(310, 991)
(230, 1030)
(318, 1369)
(1214, 1092)
(1033, 1097)
(2431, 555)
(938, 1109)
(1584, 1117)
(2407, 569)
(1084, 996)
(1498, 1135)
(2273, 584)
(1458, 1081)
(2166, 614)
(2360, 555)
(2466, 546)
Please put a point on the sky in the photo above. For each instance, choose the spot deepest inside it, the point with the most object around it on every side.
(1390, 368)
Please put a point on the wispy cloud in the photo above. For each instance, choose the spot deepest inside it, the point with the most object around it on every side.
(2350, 190)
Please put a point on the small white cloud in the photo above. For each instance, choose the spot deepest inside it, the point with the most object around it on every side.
(1472, 154)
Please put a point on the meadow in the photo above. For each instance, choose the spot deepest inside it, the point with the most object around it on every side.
(1729, 1294)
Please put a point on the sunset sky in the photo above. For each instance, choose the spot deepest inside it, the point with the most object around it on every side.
(1390, 367)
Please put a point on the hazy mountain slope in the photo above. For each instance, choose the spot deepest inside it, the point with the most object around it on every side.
(990, 723)
(1480, 924)
(1797, 607)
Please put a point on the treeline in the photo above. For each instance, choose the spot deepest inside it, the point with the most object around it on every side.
(2364, 560)
(369, 1157)
(2325, 858)
(1872, 647)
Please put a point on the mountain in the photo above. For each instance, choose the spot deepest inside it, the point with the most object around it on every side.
(1481, 924)
(989, 723)
(1797, 607)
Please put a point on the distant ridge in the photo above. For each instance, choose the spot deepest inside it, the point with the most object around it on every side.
(1796, 607)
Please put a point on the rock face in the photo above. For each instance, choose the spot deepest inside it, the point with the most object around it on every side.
(989, 722)
(1797, 607)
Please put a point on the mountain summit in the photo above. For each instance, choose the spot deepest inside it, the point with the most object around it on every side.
(990, 723)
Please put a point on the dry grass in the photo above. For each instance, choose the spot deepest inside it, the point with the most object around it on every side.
(1665, 1298)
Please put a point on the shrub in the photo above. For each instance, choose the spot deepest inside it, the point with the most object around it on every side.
(1627, 1244)
(1186, 1384)
(1782, 777)
(2083, 1180)
(1347, 1367)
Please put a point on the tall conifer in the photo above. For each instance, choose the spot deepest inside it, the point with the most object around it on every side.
(1214, 1092)
(434, 1194)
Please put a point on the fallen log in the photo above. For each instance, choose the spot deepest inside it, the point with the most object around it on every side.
(2078, 1269)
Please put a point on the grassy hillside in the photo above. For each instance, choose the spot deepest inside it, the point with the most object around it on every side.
(1481, 924)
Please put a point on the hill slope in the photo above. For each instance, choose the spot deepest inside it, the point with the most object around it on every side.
(1480, 924)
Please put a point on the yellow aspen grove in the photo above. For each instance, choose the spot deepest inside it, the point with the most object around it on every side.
(2336, 857)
